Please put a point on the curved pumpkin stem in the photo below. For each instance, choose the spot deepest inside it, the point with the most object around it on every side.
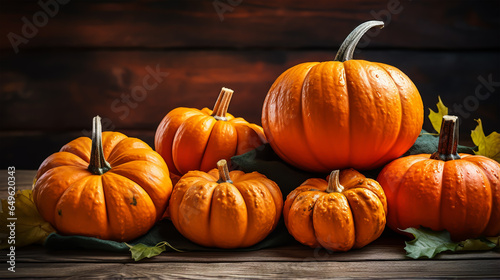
(448, 140)
(334, 182)
(222, 104)
(223, 172)
(98, 164)
(346, 50)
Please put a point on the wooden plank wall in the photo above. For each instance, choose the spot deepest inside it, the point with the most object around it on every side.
(82, 58)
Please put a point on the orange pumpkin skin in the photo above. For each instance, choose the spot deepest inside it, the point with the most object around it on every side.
(350, 217)
(222, 214)
(461, 195)
(339, 114)
(191, 139)
(121, 204)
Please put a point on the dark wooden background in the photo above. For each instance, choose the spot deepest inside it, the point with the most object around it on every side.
(91, 53)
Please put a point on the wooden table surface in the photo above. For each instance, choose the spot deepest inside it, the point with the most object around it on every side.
(384, 258)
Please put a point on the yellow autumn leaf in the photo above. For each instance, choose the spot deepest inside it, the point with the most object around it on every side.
(436, 118)
(30, 227)
(488, 146)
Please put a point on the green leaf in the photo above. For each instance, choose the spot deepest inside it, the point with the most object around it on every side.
(436, 118)
(477, 244)
(488, 146)
(428, 243)
(141, 251)
(494, 240)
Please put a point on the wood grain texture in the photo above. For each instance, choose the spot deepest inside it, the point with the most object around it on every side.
(90, 56)
(231, 270)
(389, 247)
(49, 100)
(451, 24)
(64, 90)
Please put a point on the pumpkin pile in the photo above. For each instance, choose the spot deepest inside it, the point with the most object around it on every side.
(342, 115)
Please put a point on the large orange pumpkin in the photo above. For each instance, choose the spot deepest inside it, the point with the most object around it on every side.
(192, 139)
(342, 113)
(445, 190)
(348, 211)
(111, 187)
(225, 209)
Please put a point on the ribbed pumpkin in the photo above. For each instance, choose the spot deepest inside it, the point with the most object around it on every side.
(347, 211)
(445, 190)
(342, 113)
(225, 209)
(111, 187)
(192, 139)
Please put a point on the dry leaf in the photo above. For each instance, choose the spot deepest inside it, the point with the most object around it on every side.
(436, 118)
(30, 227)
(488, 146)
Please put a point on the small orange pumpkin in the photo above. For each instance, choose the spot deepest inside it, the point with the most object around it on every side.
(111, 187)
(225, 209)
(343, 113)
(348, 211)
(445, 190)
(192, 139)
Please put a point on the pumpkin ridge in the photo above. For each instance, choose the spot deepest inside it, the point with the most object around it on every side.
(36, 191)
(72, 185)
(210, 138)
(111, 157)
(330, 214)
(304, 193)
(441, 196)
(196, 181)
(382, 158)
(427, 167)
(485, 181)
(311, 217)
(396, 196)
(109, 142)
(139, 185)
(303, 93)
(166, 132)
(114, 163)
(349, 102)
(266, 189)
(59, 158)
(275, 93)
(355, 217)
(371, 121)
(238, 187)
(108, 225)
(487, 230)
(177, 140)
(387, 68)
(80, 142)
(209, 233)
(118, 233)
